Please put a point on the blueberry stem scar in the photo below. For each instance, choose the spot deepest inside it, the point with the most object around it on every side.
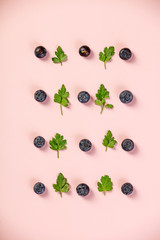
(61, 109)
(57, 153)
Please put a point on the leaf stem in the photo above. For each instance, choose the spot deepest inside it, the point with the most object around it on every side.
(104, 193)
(61, 109)
(60, 193)
(105, 65)
(106, 149)
(61, 63)
(57, 153)
(102, 107)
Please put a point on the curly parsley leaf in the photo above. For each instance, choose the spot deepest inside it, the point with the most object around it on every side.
(102, 95)
(106, 55)
(105, 184)
(61, 97)
(61, 184)
(58, 143)
(60, 56)
(109, 140)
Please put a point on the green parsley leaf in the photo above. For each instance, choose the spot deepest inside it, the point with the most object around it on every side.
(102, 95)
(106, 55)
(108, 140)
(108, 106)
(61, 97)
(105, 184)
(61, 184)
(61, 56)
(58, 143)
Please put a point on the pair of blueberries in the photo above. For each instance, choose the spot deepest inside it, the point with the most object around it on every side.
(41, 52)
(40, 96)
(125, 96)
(82, 189)
(127, 145)
(85, 145)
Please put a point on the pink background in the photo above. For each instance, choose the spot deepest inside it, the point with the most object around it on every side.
(26, 24)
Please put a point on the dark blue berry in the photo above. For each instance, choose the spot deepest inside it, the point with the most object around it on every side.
(39, 188)
(127, 188)
(126, 96)
(82, 189)
(127, 145)
(40, 52)
(125, 53)
(39, 142)
(84, 51)
(83, 97)
(40, 96)
(85, 145)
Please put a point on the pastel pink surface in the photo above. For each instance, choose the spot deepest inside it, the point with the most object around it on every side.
(26, 24)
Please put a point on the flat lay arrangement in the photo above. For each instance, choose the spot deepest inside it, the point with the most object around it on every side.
(59, 143)
(79, 120)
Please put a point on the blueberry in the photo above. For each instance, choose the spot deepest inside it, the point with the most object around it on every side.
(84, 51)
(39, 188)
(127, 188)
(82, 189)
(40, 52)
(85, 145)
(125, 53)
(126, 96)
(39, 142)
(83, 97)
(40, 96)
(127, 145)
